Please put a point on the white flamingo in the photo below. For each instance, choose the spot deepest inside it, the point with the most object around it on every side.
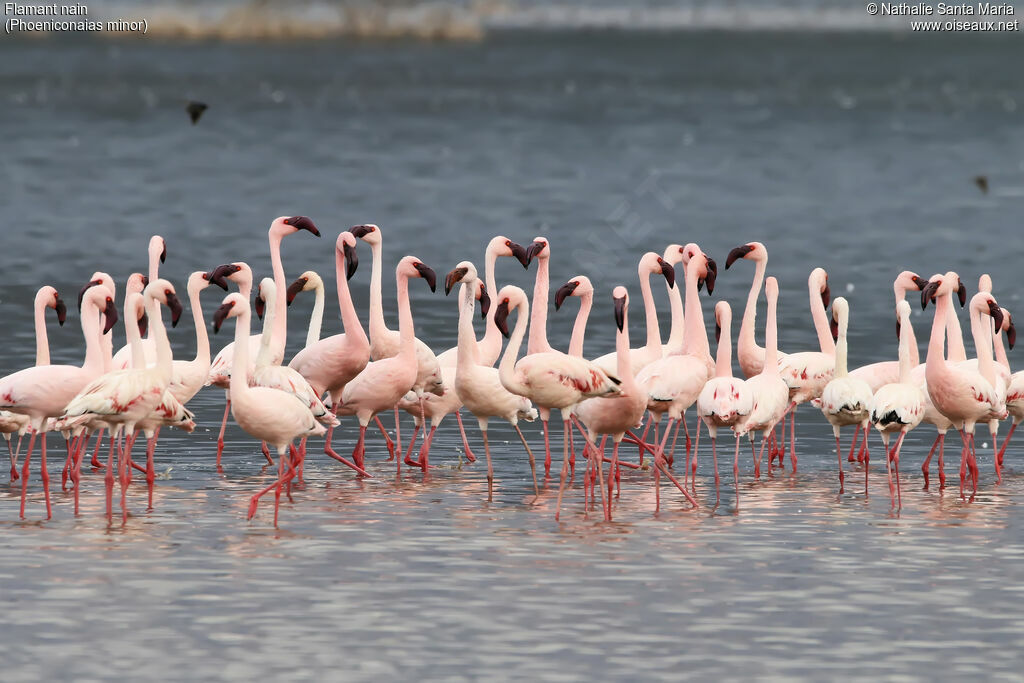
(157, 252)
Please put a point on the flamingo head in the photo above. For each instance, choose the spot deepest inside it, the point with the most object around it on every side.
(136, 283)
(707, 269)
(346, 246)
(986, 304)
(135, 305)
(464, 271)
(674, 253)
(109, 313)
(98, 278)
(503, 246)
(723, 316)
(308, 281)
(509, 296)
(234, 305)
(818, 281)
(368, 232)
(985, 283)
(197, 281)
(287, 225)
(266, 291)
(840, 313)
(163, 291)
(410, 266)
(651, 263)
(754, 251)
(1009, 329)
(941, 285)
(158, 248)
(578, 286)
(101, 297)
(238, 272)
(539, 249)
(621, 299)
(47, 296)
(771, 288)
(483, 298)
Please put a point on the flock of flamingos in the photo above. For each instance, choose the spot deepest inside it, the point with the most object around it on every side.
(142, 387)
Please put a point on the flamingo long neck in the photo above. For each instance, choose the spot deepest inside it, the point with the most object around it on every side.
(624, 364)
(154, 265)
(579, 328)
(915, 354)
(841, 346)
(279, 332)
(723, 357)
(131, 331)
(468, 353)
(94, 348)
(936, 360)
(650, 312)
(263, 357)
(981, 331)
(42, 341)
(316, 318)
(164, 358)
(955, 335)
(1001, 358)
(905, 364)
(675, 335)
(771, 339)
(507, 367)
(406, 331)
(538, 342)
(202, 337)
(349, 317)
(239, 386)
(378, 328)
(820, 317)
(695, 339)
(746, 338)
(490, 343)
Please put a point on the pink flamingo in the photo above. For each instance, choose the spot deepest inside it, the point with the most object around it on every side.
(42, 392)
(897, 407)
(846, 400)
(580, 287)
(673, 255)
(748, 353)
(551, 379)
(616, 415)
(959, 394)
(383, 382)
(331, 363)
(478, 384)
(807, 372)
(1015, 388)
(123, 398)
(157, 254)
(240, 273)
(266, 414)
(768, 391)
(724, 401)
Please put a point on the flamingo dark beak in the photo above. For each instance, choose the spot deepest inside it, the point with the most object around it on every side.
(521, 254)
(302, 223)
(920, 282)
(961, 292)
(452, 278)
(259, 305)
(145, 281)
(176, 308)
(163, 254)
(566, 290)
(668, 271)
(899, 329)
(110, 313)
(533, 250)
(712, 275)
(737, 253)
(620, 312)
(143, 324)
(427, 273)
(294, 289)
(485, 305)
(833, 326)
(996, 312)
(361, 231)
(928, 294)
(501, 317)
(826, 295)
(351, 261)
(221, 315)
(62, 312)
(220, 282)
(1011, 335)
(218, 275)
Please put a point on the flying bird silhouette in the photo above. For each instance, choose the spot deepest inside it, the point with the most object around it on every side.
(195, 110)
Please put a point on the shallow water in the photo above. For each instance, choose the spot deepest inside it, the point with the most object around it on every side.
(853, 152)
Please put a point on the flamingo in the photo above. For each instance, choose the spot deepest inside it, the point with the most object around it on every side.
(769, 393)
(673, 383)
(552, 380)
(269, 415)
(724, 401)
(386, 343)
(580, 287)
(1001, 375)
(1015, 388)
(330, 364)
(240, 273)
(310, 281)
(748, 353)
(123, 398)
(959, 394)
(477, 384)
(641, 357)
(615, 416)
(807, 372)
(157, 252)
(42, 392)
(673, 255)
(383, 382)
(897, 407)
(888, 371)
(846, 399)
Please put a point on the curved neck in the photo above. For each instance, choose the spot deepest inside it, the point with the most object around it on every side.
(821, 326)
(349, 318)
(915, 354)
(490, 344)
(650, 312)
(936, 358)
(279, 332)
(696, 337)
(42, 341)
(406, 331)
(624, 364)
(154, 265)
(240, 380)
(675, 335)
(316, 318)
(981, 331)
(506, 369)
(841, 370)
(955, 335)
(1000, 350)
(539, 317)
(771, 340)
(378, 328)
(467, 354)
(131, 332)
(91, 330)
(579, 328)
(269, 318)
(746, 337)
(723, 358)
(202, 337)
(164, 359)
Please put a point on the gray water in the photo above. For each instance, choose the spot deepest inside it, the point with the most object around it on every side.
(852, 151)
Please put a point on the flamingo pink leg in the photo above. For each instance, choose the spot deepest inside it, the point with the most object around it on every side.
(96, 450)
(331, 453)
(387, 440)
(643, 437)
(490, 470)
(45, 475)
(839, 458)
(792, 438)
(736, 471)
(412, 442)
(24, 471)
(220, 437)
(533, 465)
(150, 468)
(465, 440)
(547, 454)
(108, 480)
(925, 466)
(1006, 442)
(853, 445)
(896, 464)
(425, 449)
(714, 459)
(612, 475)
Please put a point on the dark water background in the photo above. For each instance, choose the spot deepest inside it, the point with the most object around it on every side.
(852, 151)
